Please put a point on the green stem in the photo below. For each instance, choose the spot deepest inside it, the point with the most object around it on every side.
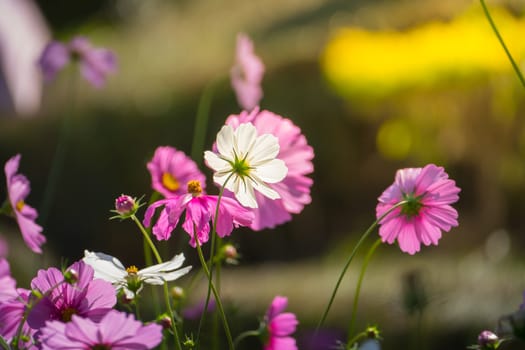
(355, 339)
(244, 335)
(500, 38)
(166, 291)
(201, 122)
(359, 283)
(215, 294)
(351, 257)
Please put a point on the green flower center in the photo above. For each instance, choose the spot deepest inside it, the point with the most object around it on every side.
(412, 206)
(101, 347)
(133, 279)
(240, 167)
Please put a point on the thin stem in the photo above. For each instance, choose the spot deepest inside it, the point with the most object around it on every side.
(355, 339)
(244, 335)
(166, 291)
(500, 38)
(215, 294)
(201, 122)
(351, 257)
(359, 282)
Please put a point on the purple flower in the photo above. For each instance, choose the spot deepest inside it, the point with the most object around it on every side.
(294, 189)
(88, 297)
(18, 189)
(194, 312)
(428, 193)
(171, 170)
(95, 63)
(280, 325)
(247, 74)
(11, 314)
(115, 331)
(7, 283)
(200, 209)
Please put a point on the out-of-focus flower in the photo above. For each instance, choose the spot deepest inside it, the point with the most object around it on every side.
(18, 188)
(246, 162)
(297, 155)
(247, 74)
(116, 330)
(23, 35)
(131, 279)
(95, 63)
(88, 297)
(200, 209)
(279, 326)
(171, 170)
(487, 340)
(194, 312)
(8, 283)
(428, 193)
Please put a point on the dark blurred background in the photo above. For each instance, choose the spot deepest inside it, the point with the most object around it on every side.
(374, 85)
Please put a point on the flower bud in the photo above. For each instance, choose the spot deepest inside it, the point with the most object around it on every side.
(372, 332)
(230, 254)
(177, 293)
(71, 276)
(165, 321)
(125, 205)
(488, 340)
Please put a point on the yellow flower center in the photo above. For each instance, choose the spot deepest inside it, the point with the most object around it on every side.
(19, 205)
(194, 187)
(132, 270)
(170, 182)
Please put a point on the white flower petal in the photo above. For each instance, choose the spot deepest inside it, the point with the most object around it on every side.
(106, 267)
(244, 193)
(170, 265)
(165, 276)
(265, 149)
(265, 189)
(216, 163)
(246, 136)
(271, 172)
(166, 271)
(225, 141)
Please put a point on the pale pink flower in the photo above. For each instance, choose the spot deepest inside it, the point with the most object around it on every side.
(294, 189)
(116, 331)
(429, 194)
(200, 210)
(171, 170)
(279, 326)
(247, 74)
(95, 63)
(18, 188)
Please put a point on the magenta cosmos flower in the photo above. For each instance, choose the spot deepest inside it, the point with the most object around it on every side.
(294, 189)
(428, 193)
(171, 170)
(279, 326)
(115, 331)
(18, 189)
(95, 63)
(200, 210)
(247, 74)
(87, 297)
(11, 315)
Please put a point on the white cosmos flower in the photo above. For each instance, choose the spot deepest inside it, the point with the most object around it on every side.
(248, 161)
(131, 279)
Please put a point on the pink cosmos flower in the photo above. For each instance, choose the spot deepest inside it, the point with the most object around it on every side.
(95, 63)
(8, 283)
(297, 155)
(11, 314)
(171, 170)
(429, 194)
(88, 297)
(247, 74)
(200, 210)
(280, 325)
(115, 331)
(18, 188)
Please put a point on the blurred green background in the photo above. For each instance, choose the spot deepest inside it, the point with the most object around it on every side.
(374, 85)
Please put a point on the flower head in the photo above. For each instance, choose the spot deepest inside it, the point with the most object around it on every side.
(95, 63)
(279, 326)
(247, 74)
(171, 170)
(428, 194)
(18, 188)
(131, 279)
(200, 210)
(487, 340)
(246, 162)
(297, 155)
(115, 331)
(88, 297)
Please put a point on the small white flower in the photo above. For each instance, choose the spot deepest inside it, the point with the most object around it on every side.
(248, 161)
(130, 279)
